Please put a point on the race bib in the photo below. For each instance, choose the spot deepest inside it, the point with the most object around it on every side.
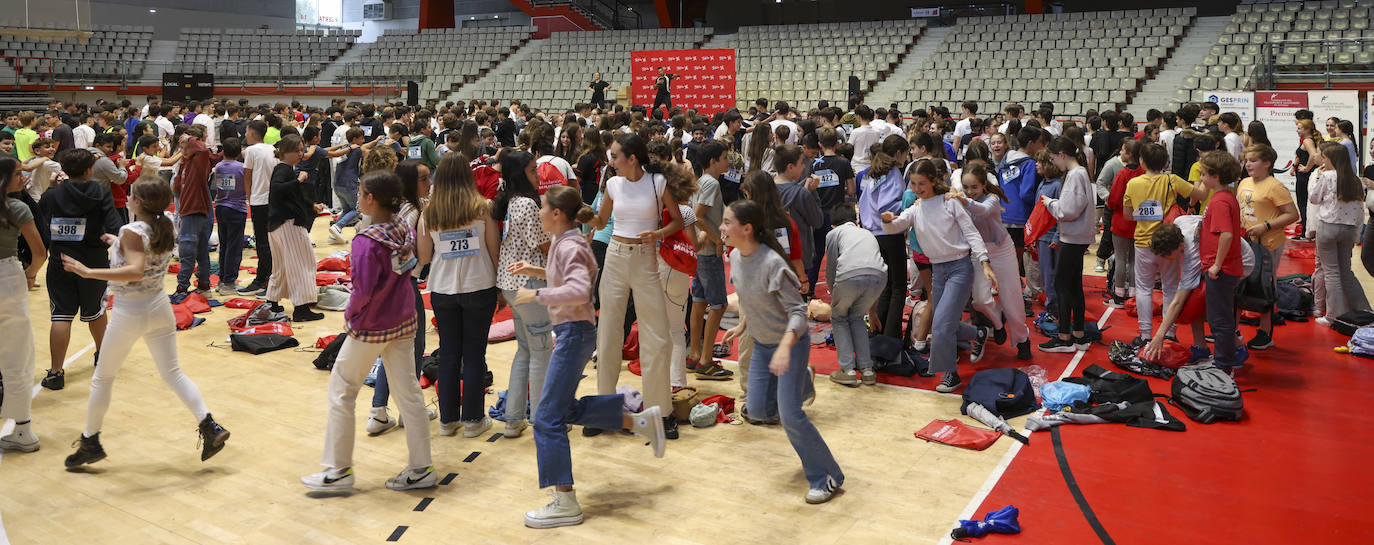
(734, 175)
(367, 131)
(782, 239)
(458, 243)
(413, 152)
(828, 178)
(68, 229)
(1149, 211)
(225, 182)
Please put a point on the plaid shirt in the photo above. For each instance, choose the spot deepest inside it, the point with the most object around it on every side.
(402, 331)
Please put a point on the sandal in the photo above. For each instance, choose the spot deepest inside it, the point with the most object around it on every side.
(713, 371)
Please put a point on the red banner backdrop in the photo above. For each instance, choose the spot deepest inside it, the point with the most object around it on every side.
(706, 77)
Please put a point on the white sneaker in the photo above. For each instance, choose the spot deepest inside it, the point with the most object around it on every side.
(336, 234)
(449, 429)
(649, 424)
(380, 422)
(1323, 321)
(514, 428)
(824, 493)
(562, 511)
(227, 290)
(22, 441)
(428, 412)
(411, 479)
(476, 428)
(329, 479)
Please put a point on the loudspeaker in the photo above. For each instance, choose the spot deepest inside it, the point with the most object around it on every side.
(412, 93)
(853, 85)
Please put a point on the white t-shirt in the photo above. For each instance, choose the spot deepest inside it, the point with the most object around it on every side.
(863, 138)
(261, 158)
(961, 128)
(636, 203)
(211, 135)
(83, 135)
(1235, 145)
(462, 261)
(791, 136)
(1166, 139)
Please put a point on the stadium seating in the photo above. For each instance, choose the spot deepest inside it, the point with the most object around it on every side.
(258, 55)
(440, 57)
(108, 54)
(768, 64)
(554, 73)
(1058, 58)
(1237, 60)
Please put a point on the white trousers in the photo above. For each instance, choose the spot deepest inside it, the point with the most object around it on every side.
(350, 368)
(634, 267)
(1008, 302)
(677, 287)
(148, 317)
(17, 358)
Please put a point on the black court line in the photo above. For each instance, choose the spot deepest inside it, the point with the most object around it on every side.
(423, 504)
(494, 437)
(1077, 493)
(448, 478)
(472, 456)
(396, 535)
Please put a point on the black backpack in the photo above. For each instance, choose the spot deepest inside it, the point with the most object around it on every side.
(1111, 387)
(1348, 323)
(325, 361)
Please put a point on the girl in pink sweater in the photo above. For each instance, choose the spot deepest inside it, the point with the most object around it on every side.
(568, 295)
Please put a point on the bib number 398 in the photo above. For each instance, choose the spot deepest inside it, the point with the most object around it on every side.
(68, 229)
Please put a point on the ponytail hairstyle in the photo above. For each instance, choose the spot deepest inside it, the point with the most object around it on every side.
(154, 195)
(1131, 147)
(758, 146)
(567, 200)
(980, 173)
(1312, 133)
(1348, 129)
(886, 159)
(513, 182)
(751, 213)
(1348, 186)
(1069, 147)
(468, 139)
(682, 184)
(454, 200)
(632, 145)
(926, 168)
(8, 166)
(385, 187)
(758, 186)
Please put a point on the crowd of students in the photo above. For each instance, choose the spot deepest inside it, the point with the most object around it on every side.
(579, 221)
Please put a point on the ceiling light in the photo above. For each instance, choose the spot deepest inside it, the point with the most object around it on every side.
(152, 11)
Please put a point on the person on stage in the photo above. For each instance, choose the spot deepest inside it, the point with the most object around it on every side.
(598, 89)
(664, 95)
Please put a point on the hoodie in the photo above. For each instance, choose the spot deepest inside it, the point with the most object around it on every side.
(383, 298)
(78, 214)
(1019, 182)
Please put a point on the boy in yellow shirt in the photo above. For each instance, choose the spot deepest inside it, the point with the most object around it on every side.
(1266, 208)
(1148, 198)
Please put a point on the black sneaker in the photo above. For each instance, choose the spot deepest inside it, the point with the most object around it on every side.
(591, 432)
(670, 427)
(251, 289)
(949, 383)
(1057, 346)
(1023, 351)
(999, 335)
(1140, 341)
(88, 451)
(212, 437)
(1116, 301)
(976, 346)
(744, 413)
(303, 313)
(1030, 308)
(56, 380)
(1262, 341)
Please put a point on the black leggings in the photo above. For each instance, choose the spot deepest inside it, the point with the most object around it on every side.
(1068, 285)
(1018, 238)
(666, 100)
(892, 302)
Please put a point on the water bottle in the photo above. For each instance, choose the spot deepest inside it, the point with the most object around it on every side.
(1036, 374)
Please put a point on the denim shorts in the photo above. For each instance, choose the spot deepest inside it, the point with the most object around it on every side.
(709, 284)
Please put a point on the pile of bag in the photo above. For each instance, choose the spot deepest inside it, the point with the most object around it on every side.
(890, 358)
(261, 329)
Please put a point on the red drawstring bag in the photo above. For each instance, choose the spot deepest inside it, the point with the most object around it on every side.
(196, 303)
(726, 404)
(324, 341)
(1195, 308)
(241, 303)
(328, 277)
(1301, 253)
(631, 349)
(1131, 310)
(269, 328)
(678, 252)
(1039, 223)
(174, 268)
(1171, 354)
(183, 315)
(488, 179)
(340, 264)
(635, 368)
(955, 434)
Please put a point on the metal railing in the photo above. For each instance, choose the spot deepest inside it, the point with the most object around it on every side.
(227, 73)
(1325, 62)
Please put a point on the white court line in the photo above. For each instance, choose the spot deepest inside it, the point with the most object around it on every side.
(977, 500)
(8, 426)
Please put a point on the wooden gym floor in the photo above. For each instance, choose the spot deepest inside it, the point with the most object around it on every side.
(724, 484)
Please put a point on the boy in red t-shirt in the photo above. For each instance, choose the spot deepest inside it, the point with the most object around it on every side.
(1123, 225)
(1221, 237)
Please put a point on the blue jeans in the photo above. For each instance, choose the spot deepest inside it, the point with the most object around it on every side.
(850, 300)
(1049, 262)
(464, 322)
(381, 391)
(348, 204)
(534, 344)
(231, 224)
(784, 395)
(193, 249)
(952, 283)
(558, 408)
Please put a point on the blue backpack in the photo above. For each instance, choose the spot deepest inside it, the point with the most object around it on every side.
(1362, 342)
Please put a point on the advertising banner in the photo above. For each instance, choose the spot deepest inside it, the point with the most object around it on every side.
(705, 78)
(1241, 102)
(1276, 108)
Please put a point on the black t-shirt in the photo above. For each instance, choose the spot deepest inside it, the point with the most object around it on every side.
(588, 169)
(662, 83)
(1369, 172)
(833, 170)
(599, 91)
(505, 132)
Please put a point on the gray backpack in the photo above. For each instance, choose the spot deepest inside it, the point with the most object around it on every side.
(1206, 394)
